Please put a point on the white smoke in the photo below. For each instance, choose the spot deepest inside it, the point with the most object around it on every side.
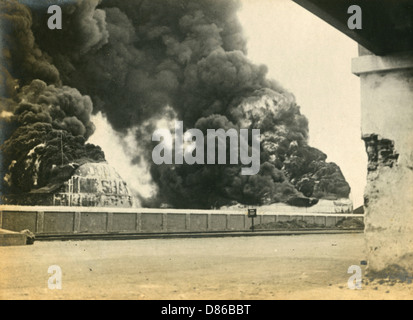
(119, 151)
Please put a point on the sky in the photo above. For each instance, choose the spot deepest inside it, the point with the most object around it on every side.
(312, 59)
(307, 57)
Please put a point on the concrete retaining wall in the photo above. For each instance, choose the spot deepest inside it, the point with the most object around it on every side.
(72, 220)
(10, 238)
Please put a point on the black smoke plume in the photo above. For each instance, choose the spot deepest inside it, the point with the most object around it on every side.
(137, 59)
(44, 124)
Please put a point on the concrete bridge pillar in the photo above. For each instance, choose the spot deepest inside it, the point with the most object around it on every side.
(387, 130)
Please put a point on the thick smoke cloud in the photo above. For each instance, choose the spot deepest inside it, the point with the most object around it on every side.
(21, 56)
(139, 59)
(44, 125)
(49, 142)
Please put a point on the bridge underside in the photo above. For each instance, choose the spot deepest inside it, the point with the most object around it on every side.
(387, 25)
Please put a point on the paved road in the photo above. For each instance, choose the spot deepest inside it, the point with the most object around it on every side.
(271, 267)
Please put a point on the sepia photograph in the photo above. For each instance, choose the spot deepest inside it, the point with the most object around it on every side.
(221, 152)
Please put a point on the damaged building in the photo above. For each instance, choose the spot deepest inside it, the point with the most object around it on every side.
(91, 185)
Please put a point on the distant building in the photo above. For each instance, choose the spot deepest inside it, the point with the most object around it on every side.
(91, 185)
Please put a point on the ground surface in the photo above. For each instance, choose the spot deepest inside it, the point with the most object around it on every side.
(272, 267)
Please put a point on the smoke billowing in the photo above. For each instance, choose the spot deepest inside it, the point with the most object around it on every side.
(44, 124)
(139, 61)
